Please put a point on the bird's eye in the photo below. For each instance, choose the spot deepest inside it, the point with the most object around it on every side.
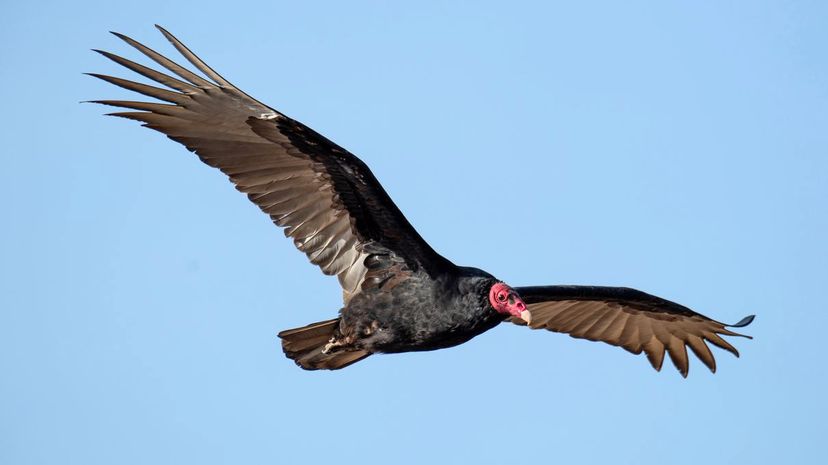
(501, 297)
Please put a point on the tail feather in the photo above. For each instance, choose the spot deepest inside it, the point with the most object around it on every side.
(300, 340)
(304, 345)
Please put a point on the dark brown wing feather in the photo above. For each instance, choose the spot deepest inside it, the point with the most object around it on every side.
(624, 317)
(327, 200)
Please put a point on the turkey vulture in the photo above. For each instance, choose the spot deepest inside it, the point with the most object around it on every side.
(399, 294)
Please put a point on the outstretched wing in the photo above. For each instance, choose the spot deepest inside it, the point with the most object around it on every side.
(624, 317)
(327, 199)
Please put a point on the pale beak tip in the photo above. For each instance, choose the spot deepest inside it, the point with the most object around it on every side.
(526, 316)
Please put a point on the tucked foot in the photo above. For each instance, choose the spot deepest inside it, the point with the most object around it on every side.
(335, 345)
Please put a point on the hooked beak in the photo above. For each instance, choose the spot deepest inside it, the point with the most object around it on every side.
(519, 310)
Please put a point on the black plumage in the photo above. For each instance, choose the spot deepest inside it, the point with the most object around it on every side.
(399, 295)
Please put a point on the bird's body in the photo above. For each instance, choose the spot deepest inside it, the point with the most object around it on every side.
(401, 310)
(399, 294)
(422, 313)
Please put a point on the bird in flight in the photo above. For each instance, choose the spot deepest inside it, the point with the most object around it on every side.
(399, 295)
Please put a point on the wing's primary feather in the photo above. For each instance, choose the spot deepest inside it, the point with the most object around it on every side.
(628, 318)
(327, 200)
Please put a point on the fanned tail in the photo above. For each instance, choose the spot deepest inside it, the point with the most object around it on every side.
(304, 346)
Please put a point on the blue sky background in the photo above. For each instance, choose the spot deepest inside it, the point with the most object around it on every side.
(681, 149)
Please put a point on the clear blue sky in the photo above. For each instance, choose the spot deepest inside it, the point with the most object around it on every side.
(680, 149)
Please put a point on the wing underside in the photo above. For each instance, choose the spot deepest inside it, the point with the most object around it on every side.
(631, 319)
(325, 199)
